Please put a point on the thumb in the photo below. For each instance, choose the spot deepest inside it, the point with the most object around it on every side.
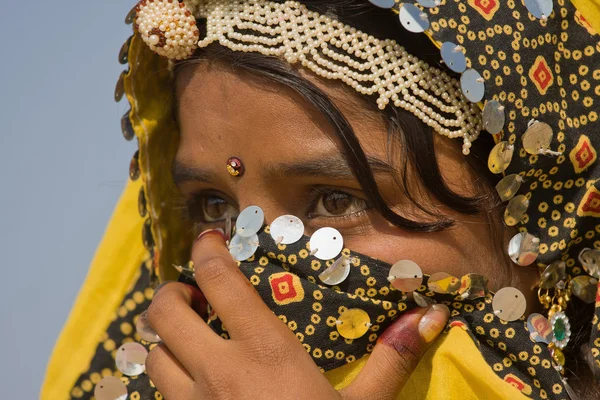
(397, 353)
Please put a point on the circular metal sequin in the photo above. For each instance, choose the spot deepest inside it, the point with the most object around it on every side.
(472, 85)
(493, 117)
(500, 157)
(540, 9)
(110, 388)
(405, 275)
(120, 87)
(453, 57)
(143, 328)
(287, 229)
(509, 186)
(584, 287)
(142, 202)
(421, 300)
(353, 323)
(126, 127)
(554, 273)
(130, 359)
(473, 286)
(383, 3)
(429, 3)
(523, 248)
(537, 137)
(509, 304)
(413, 19)
(515, 210)
(124, 52)
(249, 221)
(326, 243)
(243, 247)
(539, 328)
(147, 234)
(134, 166)
(443, 283)
(337, 272)
(130, 17)
(590, 259)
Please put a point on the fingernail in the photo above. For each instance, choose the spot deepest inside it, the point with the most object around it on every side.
(160, 286)
(218, 231)
(433, 322)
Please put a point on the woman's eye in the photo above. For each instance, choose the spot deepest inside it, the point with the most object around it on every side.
(337, 203)
(211, 208)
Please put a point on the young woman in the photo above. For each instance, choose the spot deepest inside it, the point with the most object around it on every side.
(396, 261)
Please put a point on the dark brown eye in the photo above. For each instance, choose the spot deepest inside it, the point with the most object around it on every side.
(336, 203)
(215, 208)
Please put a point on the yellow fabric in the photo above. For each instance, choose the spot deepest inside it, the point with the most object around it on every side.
(590, 10)
(114, 270)
(453, 368)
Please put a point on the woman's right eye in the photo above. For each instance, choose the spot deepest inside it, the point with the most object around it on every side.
(208, 209)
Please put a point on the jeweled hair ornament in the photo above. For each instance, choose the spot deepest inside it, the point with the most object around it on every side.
(327, 47)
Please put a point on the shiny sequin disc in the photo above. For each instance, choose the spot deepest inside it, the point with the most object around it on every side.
(453, 57)
(406, 276)
(142, 327)
(540, 9)
(509, 186)
(539, 328)
(287, 229)
(537, 137)
(584, 287)
(353, 323)
(383, 3)
(509, 304)
(249, 222)
(590, 259)
(243, 247)
(472, 85)
(444, 283)
(553, 274)
(337, 272)
(523, 248)
(110, 388)
(500, 157)
(413, 19)
(515, 210)
(493, 117)
(326, 243)
(130, 359)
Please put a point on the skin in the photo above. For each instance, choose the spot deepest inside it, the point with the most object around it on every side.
(224, 113)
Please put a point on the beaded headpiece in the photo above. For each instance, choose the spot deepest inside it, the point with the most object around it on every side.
(534, 64)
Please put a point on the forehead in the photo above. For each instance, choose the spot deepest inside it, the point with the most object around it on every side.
(222, 110)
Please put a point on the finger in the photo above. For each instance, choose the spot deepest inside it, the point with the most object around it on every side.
(227, 290)
(173, 318)
(397, 353)
(171, 379)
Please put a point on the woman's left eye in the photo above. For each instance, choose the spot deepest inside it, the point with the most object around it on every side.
(335, 203)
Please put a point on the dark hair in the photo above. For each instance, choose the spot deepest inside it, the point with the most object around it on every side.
(416, 139)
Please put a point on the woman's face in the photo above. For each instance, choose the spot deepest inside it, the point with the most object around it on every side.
(293, 165)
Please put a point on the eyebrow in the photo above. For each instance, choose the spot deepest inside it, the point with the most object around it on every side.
(332, 168)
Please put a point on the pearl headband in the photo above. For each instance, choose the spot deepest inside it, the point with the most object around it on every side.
(327, 47)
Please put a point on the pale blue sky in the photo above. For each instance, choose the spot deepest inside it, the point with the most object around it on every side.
(63, 164)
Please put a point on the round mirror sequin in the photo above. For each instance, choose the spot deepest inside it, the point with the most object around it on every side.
(134, 166)
(383, 3)
(590, 259)
(539, 328)
(126, 127)
(130, 359)
(120, 87)
(537, 137)
(523, 248)
(249, 221)
(453, 57)
(540, 9)
(422, 300)
(509, 186)
(443, 283)
(405, 275)
(147, 234)
(413, 19)
(509, 304)
(326, 243)
(142, 327)
(287, 229)
(243, 247)
(429, 3)
(515, 210)
(500, 157)
(552, 274)
(142, 202)
(337, 272)
(584, 287)
(110, 388)
(472, 85)
(353, 323)
(473, 286)
(493, 117)
(124, 52)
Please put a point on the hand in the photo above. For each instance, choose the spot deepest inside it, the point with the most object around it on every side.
(263, 359)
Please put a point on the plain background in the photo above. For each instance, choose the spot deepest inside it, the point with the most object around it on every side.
(63, 163)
